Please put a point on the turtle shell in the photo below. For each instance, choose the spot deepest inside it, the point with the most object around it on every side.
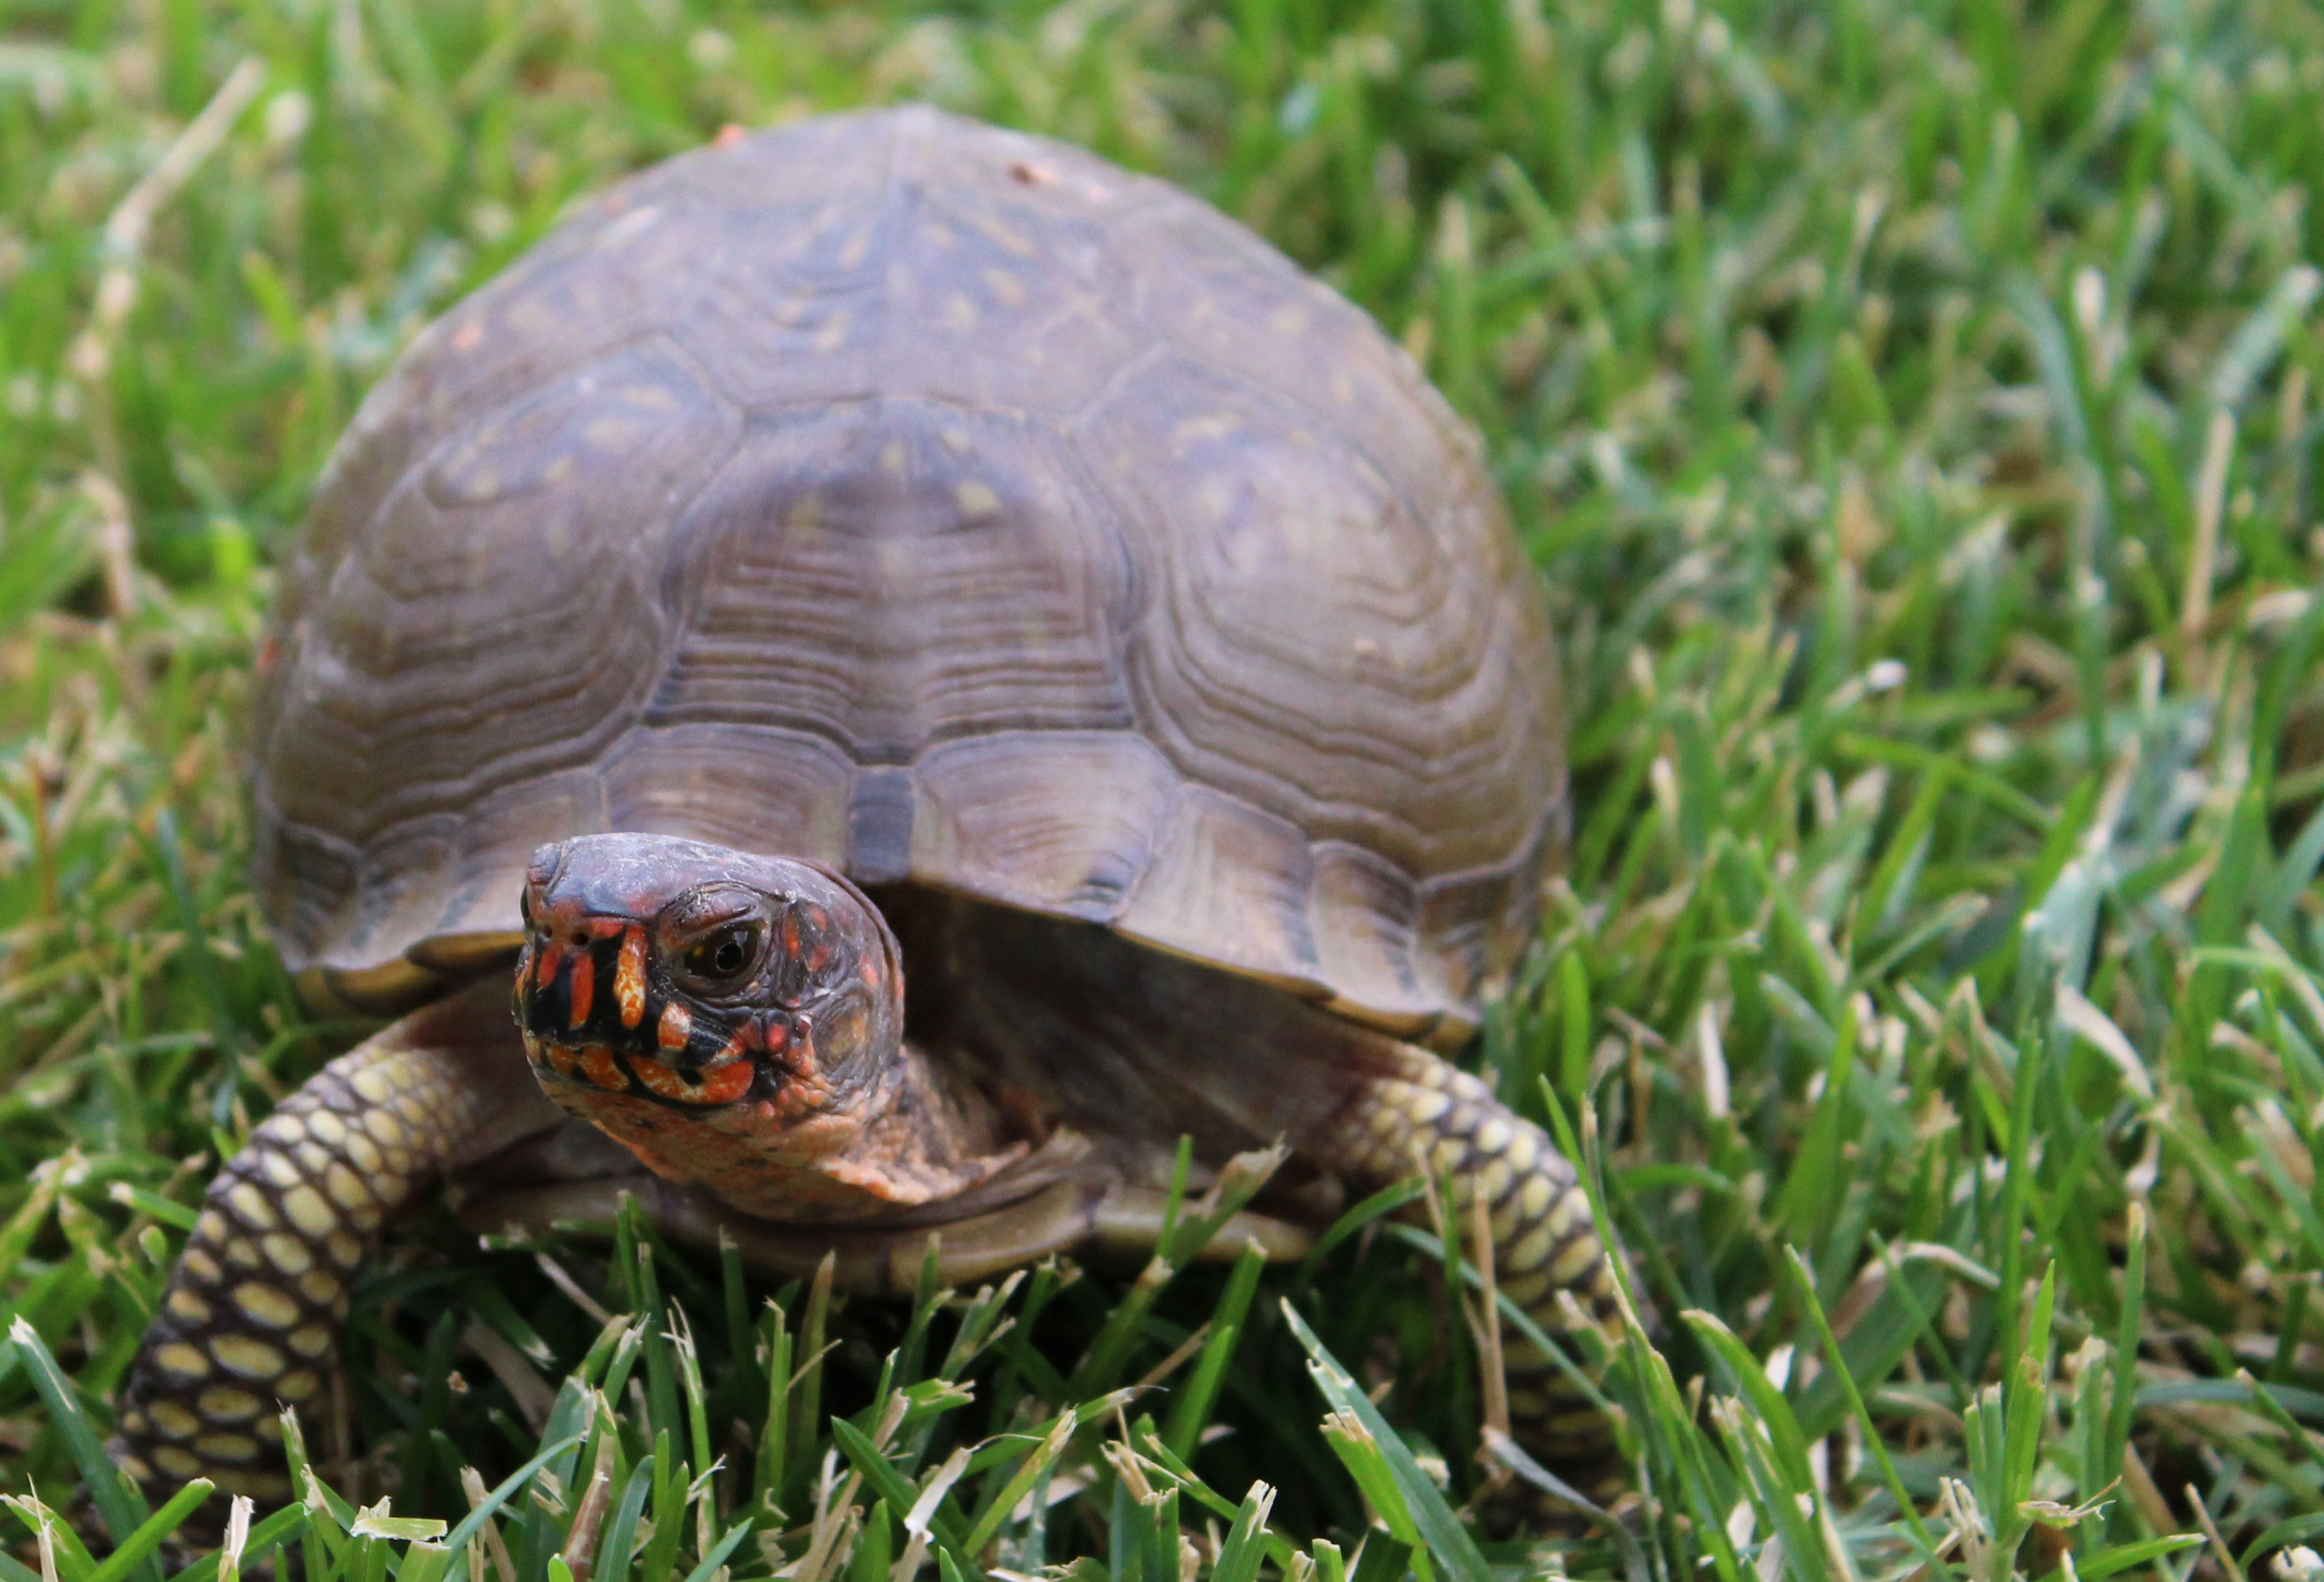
(944, 505)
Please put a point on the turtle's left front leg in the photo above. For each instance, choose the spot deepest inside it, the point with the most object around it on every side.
(249, 1321)
(1413, 1114)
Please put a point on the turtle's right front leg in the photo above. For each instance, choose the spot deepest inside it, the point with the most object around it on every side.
(249, 1321)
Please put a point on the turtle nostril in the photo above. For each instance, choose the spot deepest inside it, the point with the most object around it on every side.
(580, 939)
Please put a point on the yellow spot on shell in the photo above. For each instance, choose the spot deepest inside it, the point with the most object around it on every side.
(310, 1342)
(177, 1461)
(175, 1421)
(1567, 1214)
(308, 1211)
(297, 1386)
(1493, 1136)
(284, 1127)
(1424, 1107)
(345, 1249)
(314, 1158)
(253, 1359)
(228, 1404)
(1533, 1197)
(362, 1152)
(1524, 1150)
(327, 1128)
(1492, 1180)
(226, 1448)
(288, 1254)
(371, 1085)
(185, 1361)
(1449, 1154)
(262, 1304)
(319, 1288)
(131, 1421)
(976, 499)
(248, 1200)
(184, 1304)
(243, 1252)
(199, 1264)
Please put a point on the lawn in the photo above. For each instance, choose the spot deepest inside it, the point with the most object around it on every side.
(1915, 411)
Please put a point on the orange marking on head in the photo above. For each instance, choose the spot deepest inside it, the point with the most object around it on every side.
(630, 976)
(660, 1081)
(545, 966)
(597, 1065)
(606, 928)
(585, 988)
(677, 1026)
(563, 1059)
(724, 1085)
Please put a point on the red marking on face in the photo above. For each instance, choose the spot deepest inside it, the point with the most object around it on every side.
(585, 989)
(661, 1081)
(724, 1085)
(559, 1058)
(597, 1066)
(630, 976)
(545, 967)
(675, 1026)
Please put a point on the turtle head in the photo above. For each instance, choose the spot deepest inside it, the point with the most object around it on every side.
(661, 974)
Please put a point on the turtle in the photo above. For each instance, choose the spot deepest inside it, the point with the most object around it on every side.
(885, 684)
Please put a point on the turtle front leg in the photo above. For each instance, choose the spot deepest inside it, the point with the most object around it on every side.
(1421, 1114)
(249, 1321)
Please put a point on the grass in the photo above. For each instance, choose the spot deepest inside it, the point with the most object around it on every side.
(1914, 409)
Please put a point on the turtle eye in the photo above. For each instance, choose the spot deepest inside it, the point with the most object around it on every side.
(724, 955)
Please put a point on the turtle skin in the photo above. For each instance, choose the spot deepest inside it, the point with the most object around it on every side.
(1008, 542)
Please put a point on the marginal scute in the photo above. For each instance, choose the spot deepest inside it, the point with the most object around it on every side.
(1011, 817)
(1229, 884)
(1362, 914)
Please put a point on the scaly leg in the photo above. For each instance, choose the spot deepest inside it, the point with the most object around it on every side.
(1420, 1113)
(250, 1319)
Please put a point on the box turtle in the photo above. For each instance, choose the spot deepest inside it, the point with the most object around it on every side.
(941, 668)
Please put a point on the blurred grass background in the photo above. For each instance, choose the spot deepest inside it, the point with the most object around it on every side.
(1913, 407)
